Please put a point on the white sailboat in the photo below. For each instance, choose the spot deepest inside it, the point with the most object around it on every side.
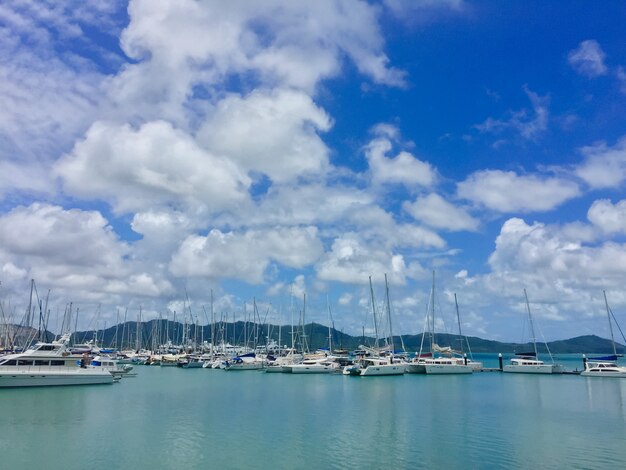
(379, 361)
(528, 362)
(440, 360)
(606, 366)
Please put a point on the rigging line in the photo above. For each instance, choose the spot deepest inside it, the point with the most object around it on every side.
(617, 324)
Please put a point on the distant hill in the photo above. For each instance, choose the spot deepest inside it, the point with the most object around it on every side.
(155, 332)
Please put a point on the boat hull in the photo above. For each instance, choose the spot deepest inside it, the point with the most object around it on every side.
(383, 369)
(46, 378)
(444, 369)
(531, 369)
(310, 369)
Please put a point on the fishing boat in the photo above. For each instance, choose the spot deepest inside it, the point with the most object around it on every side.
(606, 366)
(440, 360)
(49, 364)
(528, 362)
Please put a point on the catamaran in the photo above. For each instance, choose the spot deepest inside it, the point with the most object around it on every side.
(528, 362)
(440, 359)
(378, 361)
(605, 366)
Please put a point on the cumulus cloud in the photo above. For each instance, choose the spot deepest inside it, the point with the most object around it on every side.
(506, 191)
(247, 255)
(554, 263)
(71, 249)
(155, 165)
(48, 99)
(588, 59)
(272, 133)
(608, 217)
(435, 211)
(603, 166)
(288, 44)
(403, 168)
(352, 261)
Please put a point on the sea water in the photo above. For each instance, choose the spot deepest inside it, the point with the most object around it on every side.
(175, 418)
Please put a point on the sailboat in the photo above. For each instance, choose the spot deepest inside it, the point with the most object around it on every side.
(528, 362)
(605, 366)
(440, 360)
(377, 361)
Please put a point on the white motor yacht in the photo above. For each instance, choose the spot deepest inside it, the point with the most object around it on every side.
(47, 364)
(603, 367)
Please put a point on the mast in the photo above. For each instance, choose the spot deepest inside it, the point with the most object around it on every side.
(212, 325)
(530, 319)
(330, 336)
(374, 314)
(432, 331)
(458, 320)
(389, 317)
(608, 314)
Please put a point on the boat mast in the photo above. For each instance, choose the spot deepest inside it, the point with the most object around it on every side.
(374, 314)
(389, 317)
(330, 336)
(458, 320)
(432, 324)
(530, 319)
(608, 314)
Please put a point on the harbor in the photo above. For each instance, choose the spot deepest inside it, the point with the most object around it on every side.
(169, 417)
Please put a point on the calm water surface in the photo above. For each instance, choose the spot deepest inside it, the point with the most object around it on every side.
(175, 418)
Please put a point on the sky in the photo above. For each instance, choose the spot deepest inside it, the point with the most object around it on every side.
(153, 152)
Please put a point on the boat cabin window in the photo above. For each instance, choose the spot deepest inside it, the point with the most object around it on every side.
(46, 347)
(41, 363)
(57, 363)
(24, 362)
(10, 362)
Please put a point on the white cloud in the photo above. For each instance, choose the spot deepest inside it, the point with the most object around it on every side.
(404, 168)
(506, 191)
(523, 123)
(25, 177)
(554, 264)
(603, 166)
(71, 250)
(245, 256)
(608, 217)
(345, 299)
(289, 44)
(352, 261)
(588, 59)
(274, 133)
(435, 211)
(155, 165)
(48, 99)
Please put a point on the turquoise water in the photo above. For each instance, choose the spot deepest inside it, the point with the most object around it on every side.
(197, 418)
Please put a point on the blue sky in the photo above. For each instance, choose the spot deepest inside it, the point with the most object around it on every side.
(152, 150)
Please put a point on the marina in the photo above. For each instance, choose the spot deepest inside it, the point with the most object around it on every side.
(177, 418)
